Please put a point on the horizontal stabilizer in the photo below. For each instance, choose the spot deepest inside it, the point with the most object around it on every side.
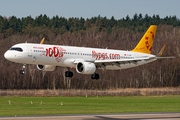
(165, 57)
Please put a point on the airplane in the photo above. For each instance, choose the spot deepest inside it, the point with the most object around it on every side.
(85, 60)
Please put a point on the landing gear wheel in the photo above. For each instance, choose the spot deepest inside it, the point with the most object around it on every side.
(69, 74)
(95, 76)
(22, 72)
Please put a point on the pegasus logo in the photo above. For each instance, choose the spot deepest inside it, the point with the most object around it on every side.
(148, 45)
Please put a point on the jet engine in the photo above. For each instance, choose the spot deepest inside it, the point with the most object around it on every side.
(85, 68)
(46, 67)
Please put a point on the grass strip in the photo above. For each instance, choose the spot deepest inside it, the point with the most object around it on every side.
(30, 106)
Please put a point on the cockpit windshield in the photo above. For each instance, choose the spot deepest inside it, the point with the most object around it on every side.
(16, 49)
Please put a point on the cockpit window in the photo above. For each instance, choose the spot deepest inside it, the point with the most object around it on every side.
(16, 49)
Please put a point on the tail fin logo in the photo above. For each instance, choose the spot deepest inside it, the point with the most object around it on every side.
(146, 42)
(148, 46)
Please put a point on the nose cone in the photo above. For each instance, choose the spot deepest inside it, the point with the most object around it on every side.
(10, 56)
(7, 55)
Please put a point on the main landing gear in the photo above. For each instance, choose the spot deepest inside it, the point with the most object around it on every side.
(22, 71)
(95, 76)
(69, 74)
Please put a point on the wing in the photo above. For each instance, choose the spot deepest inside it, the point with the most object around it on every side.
(121, 64)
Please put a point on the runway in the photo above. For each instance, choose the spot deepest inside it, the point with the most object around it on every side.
(150, 116)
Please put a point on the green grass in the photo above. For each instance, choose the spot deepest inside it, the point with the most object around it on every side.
(21, 106)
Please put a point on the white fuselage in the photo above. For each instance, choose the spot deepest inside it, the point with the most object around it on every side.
(69, 56)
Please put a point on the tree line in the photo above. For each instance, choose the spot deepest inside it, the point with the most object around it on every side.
(99, 32)
(61, 25)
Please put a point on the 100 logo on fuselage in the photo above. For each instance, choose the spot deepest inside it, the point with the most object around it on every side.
(57, 52)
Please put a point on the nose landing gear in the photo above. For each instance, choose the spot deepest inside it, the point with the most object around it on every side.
(22, 71)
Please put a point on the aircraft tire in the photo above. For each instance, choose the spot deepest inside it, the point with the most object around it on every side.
(22, 72)
(68, 74)
(95, 76)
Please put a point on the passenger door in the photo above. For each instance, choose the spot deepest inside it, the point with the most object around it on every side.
(31, 57)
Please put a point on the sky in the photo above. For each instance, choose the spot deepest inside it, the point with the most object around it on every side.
(89, 8)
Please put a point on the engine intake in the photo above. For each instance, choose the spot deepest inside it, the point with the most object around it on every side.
(46, 67)
(85, 68)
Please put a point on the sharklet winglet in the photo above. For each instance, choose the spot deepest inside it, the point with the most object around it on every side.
(42, 41)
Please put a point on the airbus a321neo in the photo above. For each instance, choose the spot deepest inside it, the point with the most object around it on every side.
(85, 60)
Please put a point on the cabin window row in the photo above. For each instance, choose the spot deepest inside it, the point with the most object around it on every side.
(71, 53)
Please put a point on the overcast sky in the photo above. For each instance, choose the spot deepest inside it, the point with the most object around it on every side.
(89, 8)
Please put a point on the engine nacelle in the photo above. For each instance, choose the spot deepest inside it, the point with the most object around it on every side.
(46, 67)
(85, 68)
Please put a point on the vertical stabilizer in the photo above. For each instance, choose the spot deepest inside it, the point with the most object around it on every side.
(146, 42)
